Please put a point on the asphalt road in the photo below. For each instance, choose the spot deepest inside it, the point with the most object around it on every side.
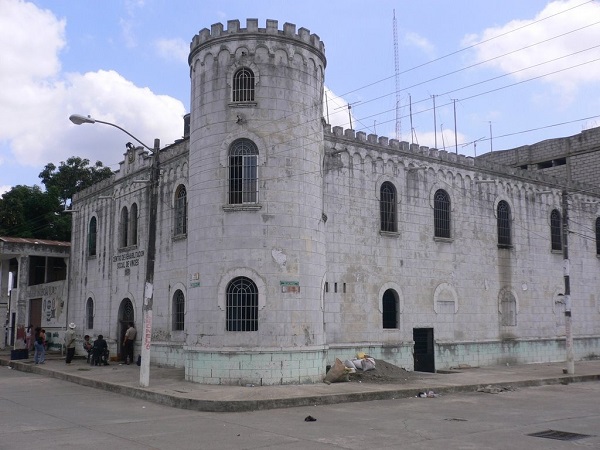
(45, 413)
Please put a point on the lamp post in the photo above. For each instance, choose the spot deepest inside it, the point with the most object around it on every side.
(151, 250)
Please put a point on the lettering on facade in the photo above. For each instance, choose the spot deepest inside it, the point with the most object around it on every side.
(290, 286)
(41, 291)
(127, 260)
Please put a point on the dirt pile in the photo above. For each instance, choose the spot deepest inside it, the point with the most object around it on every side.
(385, 372)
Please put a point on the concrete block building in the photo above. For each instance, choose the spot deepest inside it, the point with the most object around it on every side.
(283, 243)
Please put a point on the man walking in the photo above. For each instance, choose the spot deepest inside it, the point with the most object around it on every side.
(70, 343)
(128, 343)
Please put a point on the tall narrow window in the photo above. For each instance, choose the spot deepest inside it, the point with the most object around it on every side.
(441, 214)
(504, 220)
(133, 225)
(89, 313)
(243, 85)
(598, 236)
(124, 227)
(178, 311)
(387, 207)
(180, 211)
(92, 236)
(390, 309)
(242, 305)
(243, 172)
(555, 230)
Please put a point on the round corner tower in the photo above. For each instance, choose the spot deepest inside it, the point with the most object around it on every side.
(256, 235)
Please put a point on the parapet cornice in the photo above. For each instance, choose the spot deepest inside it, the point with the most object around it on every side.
(302, 37)
(393, 146)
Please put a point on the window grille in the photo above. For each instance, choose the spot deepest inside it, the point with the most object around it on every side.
(124, 227)
(441, 214)
(387, 207)
(390, 309)
(243, 172)
(504, 222)
(89, 313)
(133, 225)
(555, 230)
(242, 305)
(92, 236)
(178, 311)
(243, 85)
(181, 211)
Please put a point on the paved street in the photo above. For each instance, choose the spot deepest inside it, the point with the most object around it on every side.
(46, 413)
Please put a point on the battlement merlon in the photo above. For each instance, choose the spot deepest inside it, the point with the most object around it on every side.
(303, 37)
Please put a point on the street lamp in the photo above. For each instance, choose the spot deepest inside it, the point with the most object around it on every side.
(78, 119)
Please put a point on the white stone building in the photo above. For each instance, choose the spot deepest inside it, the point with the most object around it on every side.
(283, 244)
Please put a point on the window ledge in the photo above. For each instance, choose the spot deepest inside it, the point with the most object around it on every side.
(180, 237)
(128, 248)
(390, 234)
(443, 239)
(556, 252)
(505, 246)
(242, 104)
(90, 257)
(243, 207)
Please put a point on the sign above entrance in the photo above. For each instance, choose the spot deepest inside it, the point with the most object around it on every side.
(129, 259)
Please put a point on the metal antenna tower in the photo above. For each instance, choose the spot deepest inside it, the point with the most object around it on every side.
(397, 67)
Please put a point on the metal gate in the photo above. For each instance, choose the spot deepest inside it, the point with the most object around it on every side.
(424, 354)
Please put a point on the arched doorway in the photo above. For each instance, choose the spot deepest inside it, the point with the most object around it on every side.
(126, 315)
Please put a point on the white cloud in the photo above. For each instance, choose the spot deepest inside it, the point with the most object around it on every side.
(4, 189)
(36, 99)
(173, 49)
(335, 110)
(415, 40)
(565, 82)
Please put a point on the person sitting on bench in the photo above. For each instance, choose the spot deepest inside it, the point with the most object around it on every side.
(100, 352)
(87, 346)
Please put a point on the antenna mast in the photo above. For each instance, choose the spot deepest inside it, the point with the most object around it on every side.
(397, 67)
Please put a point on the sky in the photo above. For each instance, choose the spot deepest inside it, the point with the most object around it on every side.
(506, 72)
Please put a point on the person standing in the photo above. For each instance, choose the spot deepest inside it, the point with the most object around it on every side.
(128, 343)
(39, 356)
(70, 343)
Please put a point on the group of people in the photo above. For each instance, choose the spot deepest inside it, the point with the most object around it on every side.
(97, 352)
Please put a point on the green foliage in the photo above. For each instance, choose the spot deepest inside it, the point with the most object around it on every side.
(29, 212)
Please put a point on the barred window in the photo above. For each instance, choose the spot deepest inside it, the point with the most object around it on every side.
(441, 214)
(390, 309)
(124, 227)
(387, 207)
(180, 211)
(89, 314)
(242, 305)
(178, 311)
(133, 225)
(243, 172)
(243, 85)
(92, 236)
(504, 222)
(555, 230)
(598, 236)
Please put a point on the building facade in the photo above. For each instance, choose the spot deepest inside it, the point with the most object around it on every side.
(283, 243)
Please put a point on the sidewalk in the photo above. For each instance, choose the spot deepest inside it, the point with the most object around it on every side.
(168, 387)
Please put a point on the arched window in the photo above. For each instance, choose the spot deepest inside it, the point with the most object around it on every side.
(504, 220)
(441, 214)
(178, 311)
(387, 207)
(555, 230)
(390, 309)
(242, 305)
(133, 225)
(124, 227)
(92, 236)
(89, 314)
(598, 236)
(180, 211)
(243, 174)
(243, 85)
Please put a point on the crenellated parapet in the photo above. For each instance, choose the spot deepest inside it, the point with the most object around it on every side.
(349, 137)
(301, 37)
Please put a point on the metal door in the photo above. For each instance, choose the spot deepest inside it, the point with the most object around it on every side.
(424, 355)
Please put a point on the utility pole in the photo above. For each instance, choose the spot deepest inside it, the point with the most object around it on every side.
(149, 287)
(567, 295)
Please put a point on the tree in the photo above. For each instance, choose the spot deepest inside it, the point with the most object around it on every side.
(72, 176)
